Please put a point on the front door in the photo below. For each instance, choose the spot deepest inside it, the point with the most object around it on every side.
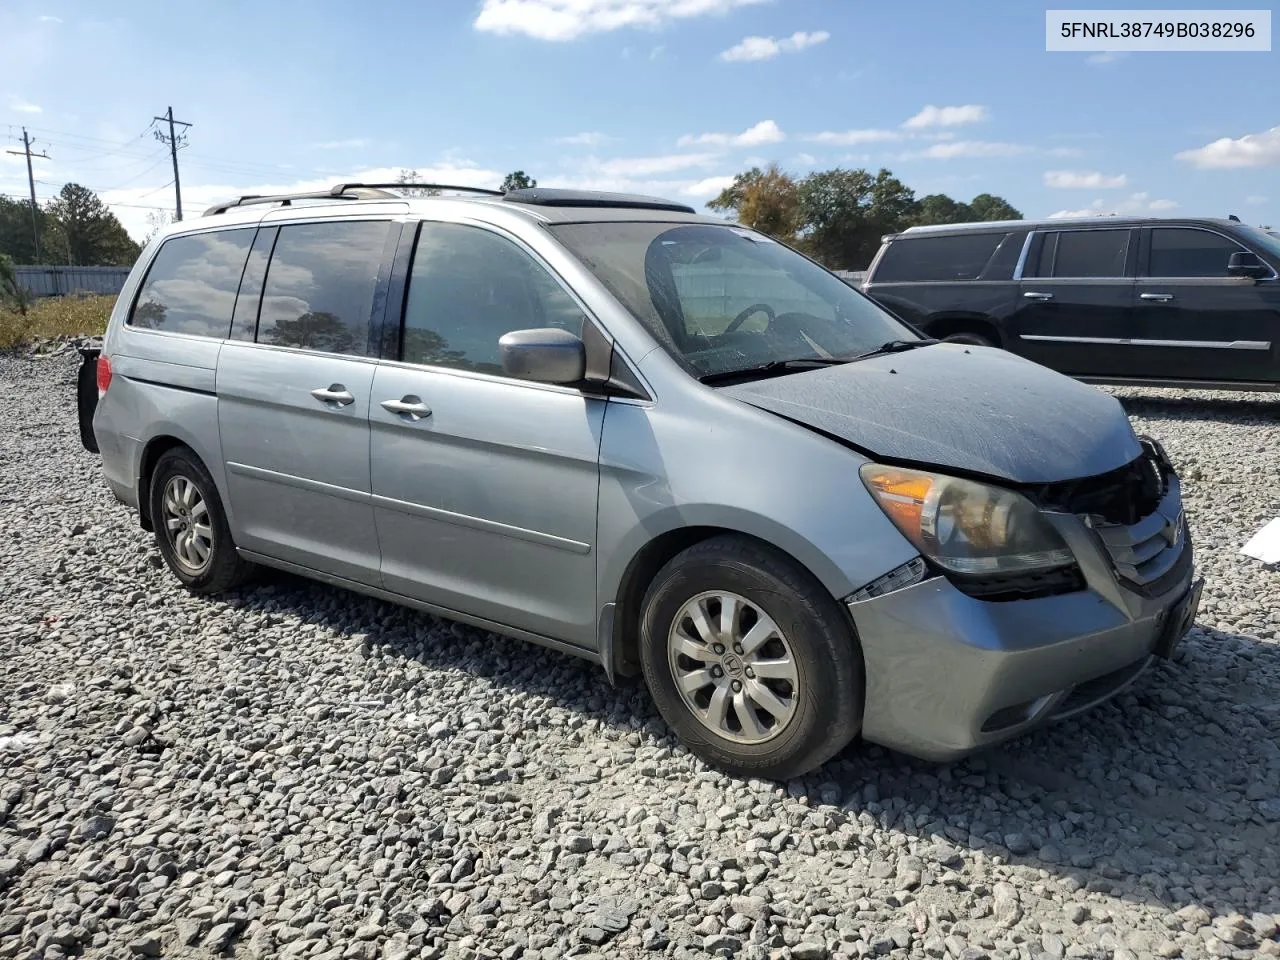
(1194, 322)
(1075, 298)
(485, 487)
(293, 404)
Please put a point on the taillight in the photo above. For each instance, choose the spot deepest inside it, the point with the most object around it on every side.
(104, 374)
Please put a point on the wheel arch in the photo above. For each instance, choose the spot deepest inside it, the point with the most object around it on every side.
(945, 324)
(151, 452)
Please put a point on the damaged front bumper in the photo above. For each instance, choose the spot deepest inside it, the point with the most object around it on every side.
(948, 673)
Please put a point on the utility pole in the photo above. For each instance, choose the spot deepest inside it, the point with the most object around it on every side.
(172, 140)
(31, 182)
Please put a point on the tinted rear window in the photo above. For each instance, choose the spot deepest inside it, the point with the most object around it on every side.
(957, 257)
(1189, 253)
(1084, 253)
(320, 284)
(191, 285)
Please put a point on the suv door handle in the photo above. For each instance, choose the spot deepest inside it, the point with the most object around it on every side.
(336, 393)
(1158, 297)
(407, 406)
(1033, 295)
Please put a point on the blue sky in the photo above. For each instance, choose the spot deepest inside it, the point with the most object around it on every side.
(661, 96)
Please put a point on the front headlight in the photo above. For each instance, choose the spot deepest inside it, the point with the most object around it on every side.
(966, 527)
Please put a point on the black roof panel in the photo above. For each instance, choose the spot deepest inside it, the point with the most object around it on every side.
(544, 197)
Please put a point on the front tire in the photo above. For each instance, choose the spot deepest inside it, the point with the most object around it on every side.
(191, 525)
(973, 339)
(750, 661)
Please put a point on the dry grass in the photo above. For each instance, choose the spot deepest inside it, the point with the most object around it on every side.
(74, 316)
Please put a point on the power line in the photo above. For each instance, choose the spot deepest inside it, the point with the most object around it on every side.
(31, 182)
(172, 141)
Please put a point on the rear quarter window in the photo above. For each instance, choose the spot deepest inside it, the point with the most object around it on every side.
(191, 285)
(956, 257)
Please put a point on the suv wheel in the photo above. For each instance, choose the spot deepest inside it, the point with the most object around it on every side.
(750, 661)
(975, 339)
(191, 526)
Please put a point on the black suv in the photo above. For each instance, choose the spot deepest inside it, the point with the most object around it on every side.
(1193, 303)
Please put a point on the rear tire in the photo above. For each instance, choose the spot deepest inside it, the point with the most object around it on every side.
(973, 339)
(191, 525)
(750, 660)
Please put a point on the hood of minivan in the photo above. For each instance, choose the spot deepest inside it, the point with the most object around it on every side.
(973, 409)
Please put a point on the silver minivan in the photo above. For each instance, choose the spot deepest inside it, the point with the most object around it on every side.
(654, 439)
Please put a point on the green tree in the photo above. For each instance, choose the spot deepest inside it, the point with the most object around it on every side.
(845, 213)
(317, 330)
(84, 232)
(411, 176)
(15, 231)
(939, 208)
(765, 200)
(519, 180)
(986, 207)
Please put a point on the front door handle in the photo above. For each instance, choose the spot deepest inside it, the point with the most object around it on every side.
(335, 393)
(1158, 297)
(1033, 295)
(407, 406)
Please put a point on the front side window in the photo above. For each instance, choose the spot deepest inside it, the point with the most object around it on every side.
(191, 285)
(320, 283)
(722, 299)
(1084, 254)
(1189, 253)
(467, 288)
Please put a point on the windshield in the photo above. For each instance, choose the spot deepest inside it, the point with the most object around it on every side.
(723, 298)
(1269, 242)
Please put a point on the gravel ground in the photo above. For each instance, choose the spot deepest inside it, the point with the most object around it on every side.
(298, 772)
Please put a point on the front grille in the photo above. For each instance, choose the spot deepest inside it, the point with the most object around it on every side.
(1122, 496)
(1136, 513)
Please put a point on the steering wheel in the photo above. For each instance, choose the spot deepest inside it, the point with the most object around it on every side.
(741, 318)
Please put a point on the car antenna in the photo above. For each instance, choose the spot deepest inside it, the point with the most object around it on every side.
(1232, 216)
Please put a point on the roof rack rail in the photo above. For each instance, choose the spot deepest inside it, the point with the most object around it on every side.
(344, 191)
(419, 186)
(543, 197)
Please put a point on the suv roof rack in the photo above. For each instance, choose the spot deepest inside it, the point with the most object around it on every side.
(542, 197)
(342, 191)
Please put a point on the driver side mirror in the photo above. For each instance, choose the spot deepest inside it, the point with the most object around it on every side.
(545, 355)
(1247, 264)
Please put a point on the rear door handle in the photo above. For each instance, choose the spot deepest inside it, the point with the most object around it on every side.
(335, 393)
(1033, 295)
(1158, 297)
(407, 406)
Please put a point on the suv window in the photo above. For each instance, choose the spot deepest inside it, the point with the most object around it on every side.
(959, 257)
(1179, 252)
(191, 285)
(320, 283)
(1084, 253)
(467, 288)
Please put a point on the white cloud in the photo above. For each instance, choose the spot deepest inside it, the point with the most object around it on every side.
(1251, 150)
(18, 105)
(804, 159)
(1105, 57)
(561, 20)
(656, 52)
(766, 48)
(1255, 199)
(353, 144)
(766, 131)
(648, 166)
(932, 116)
(46, 18)
(709, 187)
(1083, 180)
(850, 138)
(1136, 203)
(590, 138)
(953, 149)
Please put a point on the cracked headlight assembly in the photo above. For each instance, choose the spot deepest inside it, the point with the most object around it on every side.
(965, 527)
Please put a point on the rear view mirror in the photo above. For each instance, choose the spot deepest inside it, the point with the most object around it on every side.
(1247, 264)
(546, 355)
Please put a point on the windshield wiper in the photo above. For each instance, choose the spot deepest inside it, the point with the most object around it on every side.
(772, 367)
(893, 346)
